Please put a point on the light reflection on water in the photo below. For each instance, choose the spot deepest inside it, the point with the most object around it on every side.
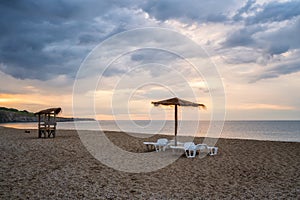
(258, 130)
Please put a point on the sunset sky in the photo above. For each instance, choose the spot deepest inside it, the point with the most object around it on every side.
(255, 46)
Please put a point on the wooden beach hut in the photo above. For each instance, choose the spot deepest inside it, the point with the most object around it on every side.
(47, 122)
(177, 102)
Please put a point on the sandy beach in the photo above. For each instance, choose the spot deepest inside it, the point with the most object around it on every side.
(62, 168)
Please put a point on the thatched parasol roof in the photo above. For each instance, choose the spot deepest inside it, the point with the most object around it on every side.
(49, 111)
(177, 101)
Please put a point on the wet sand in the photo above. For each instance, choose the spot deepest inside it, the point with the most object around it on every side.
(62, 168)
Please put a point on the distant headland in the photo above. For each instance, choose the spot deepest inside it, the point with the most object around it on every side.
(8, 115)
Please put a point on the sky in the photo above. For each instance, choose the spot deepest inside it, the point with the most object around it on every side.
(237, 57)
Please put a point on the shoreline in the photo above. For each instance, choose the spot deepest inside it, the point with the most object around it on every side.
(61, 168)
(160, 134)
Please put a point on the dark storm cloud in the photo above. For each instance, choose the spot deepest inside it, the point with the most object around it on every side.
(275, 11)
(242, 37)
(190, 10)
(259, 32)
(278, 70)
(258, 36)
(113, 72)
(252, 13)
(153, 55)
(248, 7)
(40, 39)
(256, 21)
(284, 39)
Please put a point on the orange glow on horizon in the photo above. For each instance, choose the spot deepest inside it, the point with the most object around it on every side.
(8, 98)
(263, 107)
(32, 102)
(104, 117)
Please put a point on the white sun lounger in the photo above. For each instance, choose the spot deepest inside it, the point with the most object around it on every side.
(191, 149)
(207, 149)
(188, 147)
(202, 148)
(212, 151)
(172, 143)
(160, 145)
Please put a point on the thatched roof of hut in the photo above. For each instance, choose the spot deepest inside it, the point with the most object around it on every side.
(177, 101)
(49, 111)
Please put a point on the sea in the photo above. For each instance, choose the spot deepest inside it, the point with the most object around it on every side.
(256, 130)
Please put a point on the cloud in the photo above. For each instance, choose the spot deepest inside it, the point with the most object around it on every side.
(190, 10)
(40, 40)
(272, 39)
(42, 44)
(265, 28)
(275, 12)
(238, 56)
(241, 37)
(284, 39)
(269, 12)
(263, 34)
(248, 7)
(287, 65)
(156, 60)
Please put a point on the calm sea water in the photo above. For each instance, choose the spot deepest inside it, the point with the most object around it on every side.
(258, 130)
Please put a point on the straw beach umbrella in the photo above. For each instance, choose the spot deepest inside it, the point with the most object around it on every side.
(177, 102)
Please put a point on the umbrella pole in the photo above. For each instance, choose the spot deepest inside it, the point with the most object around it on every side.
(176, 125)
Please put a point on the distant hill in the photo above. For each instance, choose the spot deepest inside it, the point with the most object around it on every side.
(14, 115)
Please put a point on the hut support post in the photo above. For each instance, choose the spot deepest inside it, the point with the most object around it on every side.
(46, 124)
(54, 131)
(176, 123)
(39, 126)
